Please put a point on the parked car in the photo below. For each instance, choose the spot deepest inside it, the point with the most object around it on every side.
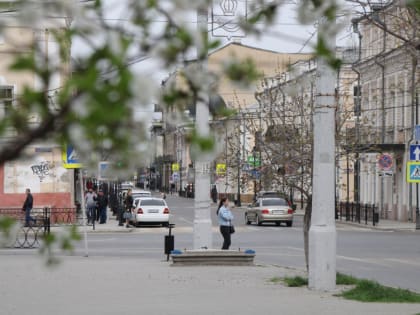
(275, 210)
(139, 193)
(150, 210)
(275, 194)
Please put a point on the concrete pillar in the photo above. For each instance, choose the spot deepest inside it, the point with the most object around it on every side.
(202, 221)
(322, 233)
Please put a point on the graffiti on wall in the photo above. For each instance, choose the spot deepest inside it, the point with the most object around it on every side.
(40, 170)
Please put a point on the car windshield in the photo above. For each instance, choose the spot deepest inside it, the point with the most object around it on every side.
(152, 202)
(274, 202)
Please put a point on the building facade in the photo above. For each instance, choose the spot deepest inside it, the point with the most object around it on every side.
(389, 73)
(234, 141)
(40, 168)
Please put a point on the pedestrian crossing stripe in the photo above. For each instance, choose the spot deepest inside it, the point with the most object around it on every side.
(413, 172)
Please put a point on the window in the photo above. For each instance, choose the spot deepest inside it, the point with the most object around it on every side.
(6, 98)
(274, 202)
(152, 202)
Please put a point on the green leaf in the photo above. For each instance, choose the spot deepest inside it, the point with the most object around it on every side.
(244, 72)
(23, 63)
(415, 5)
(204, 144)
(323, 51)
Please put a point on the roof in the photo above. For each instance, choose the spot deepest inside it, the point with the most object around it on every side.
(231, 44)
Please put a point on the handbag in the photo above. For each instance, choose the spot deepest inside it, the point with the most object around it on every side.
(231, 228)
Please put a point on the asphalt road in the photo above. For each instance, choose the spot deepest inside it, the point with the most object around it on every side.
(392, 258)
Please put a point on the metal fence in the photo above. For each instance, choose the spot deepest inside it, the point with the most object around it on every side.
(357, 212)
(29, 235)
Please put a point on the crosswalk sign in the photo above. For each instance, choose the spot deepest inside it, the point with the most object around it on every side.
(221, 169)
(413, 172)
(70, 157)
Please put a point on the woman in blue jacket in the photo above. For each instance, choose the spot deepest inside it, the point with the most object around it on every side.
(225, 218)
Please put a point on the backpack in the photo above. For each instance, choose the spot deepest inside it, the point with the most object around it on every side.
(90, 200)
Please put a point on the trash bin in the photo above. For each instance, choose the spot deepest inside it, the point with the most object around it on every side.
(375, 218)
(169, 241)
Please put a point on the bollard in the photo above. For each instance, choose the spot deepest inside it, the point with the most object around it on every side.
(169, 242)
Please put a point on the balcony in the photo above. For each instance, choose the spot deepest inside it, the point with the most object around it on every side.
(375, 139)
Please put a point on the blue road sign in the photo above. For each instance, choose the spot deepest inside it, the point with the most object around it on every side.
(256, 174)
(415, 152)
(105, 171)
(417, 133)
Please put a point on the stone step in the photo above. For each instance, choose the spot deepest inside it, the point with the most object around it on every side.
(213, 257)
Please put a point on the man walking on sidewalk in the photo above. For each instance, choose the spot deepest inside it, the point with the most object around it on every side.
(27, 207)
(102, 205)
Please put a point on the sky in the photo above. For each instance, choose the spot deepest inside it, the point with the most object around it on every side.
(286, 34)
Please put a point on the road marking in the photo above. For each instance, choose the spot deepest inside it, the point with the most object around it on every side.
(185, 220)
(102, 240)
(364, 260)
(402, 261)
(295, 248)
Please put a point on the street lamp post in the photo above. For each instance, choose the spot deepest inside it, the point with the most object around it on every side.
(254, 171)
(239, 179)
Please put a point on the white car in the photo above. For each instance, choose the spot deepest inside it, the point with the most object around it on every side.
(150, 210)
(140, 193)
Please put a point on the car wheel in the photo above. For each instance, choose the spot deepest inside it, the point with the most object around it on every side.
(247, 219)
(257, 220)
(289, 223)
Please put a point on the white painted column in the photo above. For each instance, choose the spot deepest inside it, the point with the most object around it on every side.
(322, 233)
(202, 221)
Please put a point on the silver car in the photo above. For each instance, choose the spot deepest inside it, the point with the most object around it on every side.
(275, 210)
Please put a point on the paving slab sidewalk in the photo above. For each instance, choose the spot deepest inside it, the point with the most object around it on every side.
(110, 285)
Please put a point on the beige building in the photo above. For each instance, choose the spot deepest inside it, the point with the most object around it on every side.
(286, 128)
(390, 73)
(41, 169)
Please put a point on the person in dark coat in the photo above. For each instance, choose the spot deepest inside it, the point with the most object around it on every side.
(27, 207)
(214, 193)
(102, 206)
(128, 208)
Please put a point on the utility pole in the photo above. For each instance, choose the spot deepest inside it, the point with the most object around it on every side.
(322, 233)
(202, 219)
(238, 203)
(417, 184)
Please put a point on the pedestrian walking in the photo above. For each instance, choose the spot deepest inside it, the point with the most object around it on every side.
(225, 218)
(27, 207)
(102, 206)
(128, 208)
(90, 201)
(214, 194)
